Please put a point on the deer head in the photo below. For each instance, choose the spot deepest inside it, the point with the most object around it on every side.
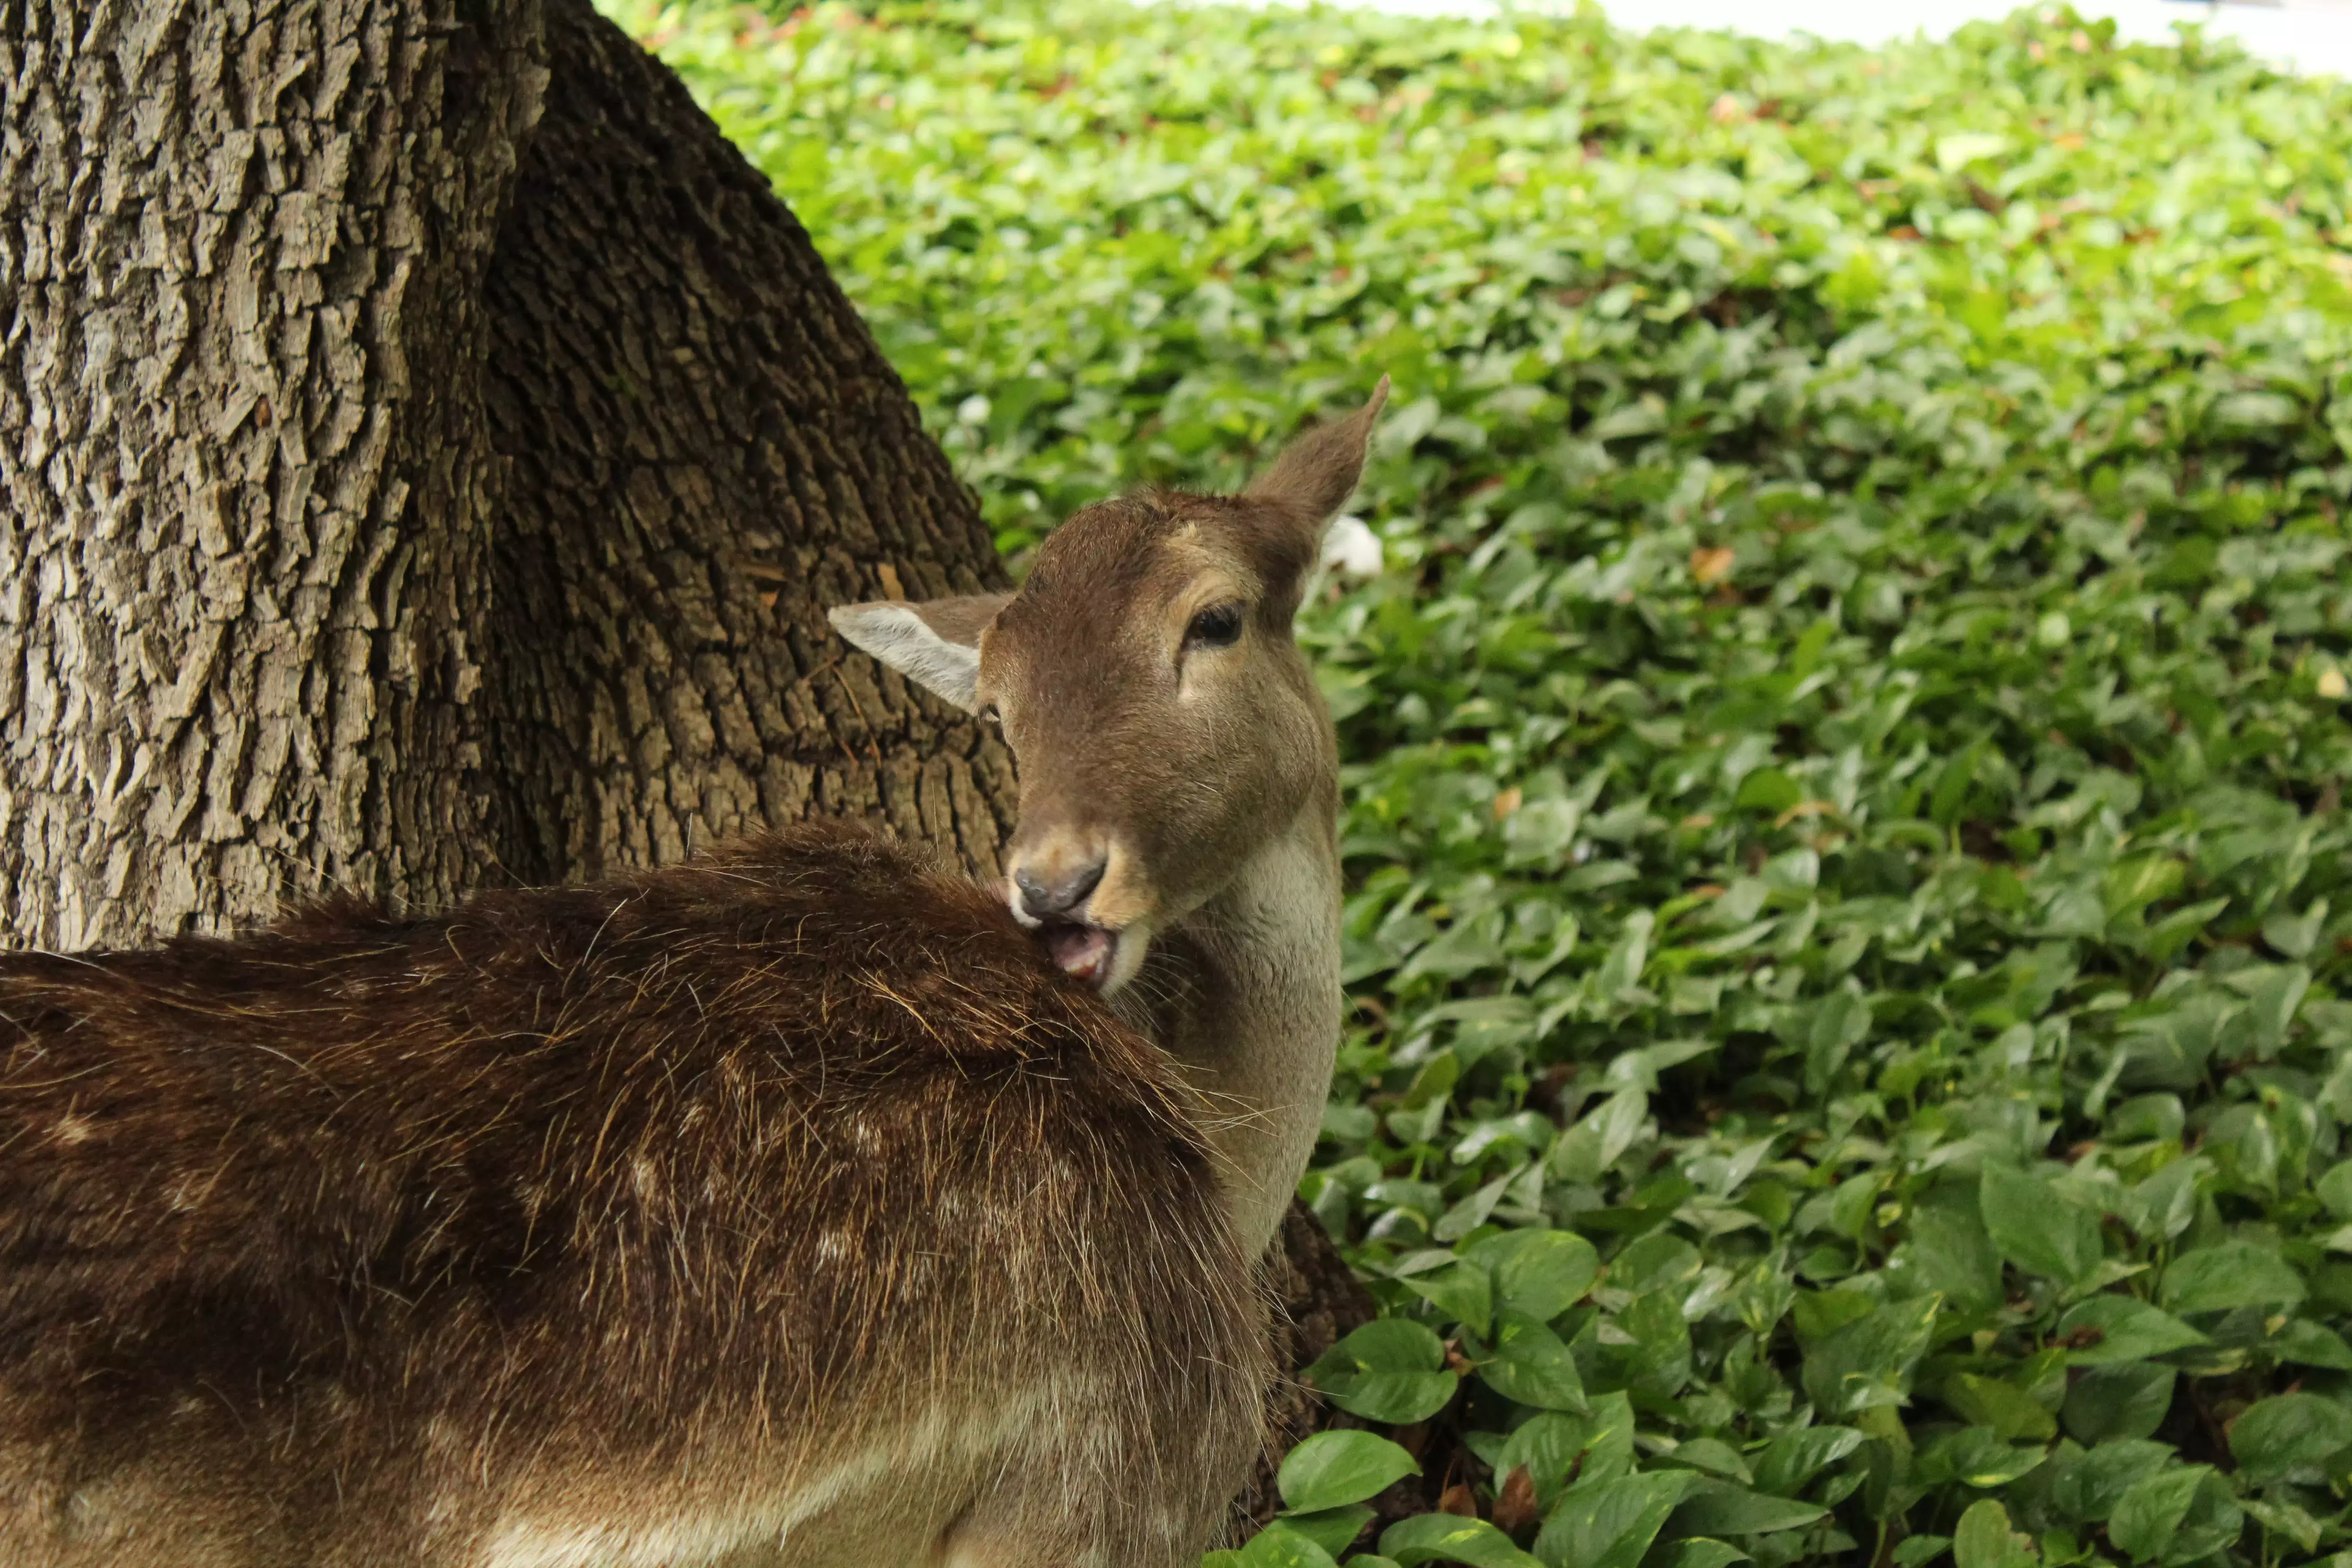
(1162, 720)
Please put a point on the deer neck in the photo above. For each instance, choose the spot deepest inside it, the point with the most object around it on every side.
(1245, 994)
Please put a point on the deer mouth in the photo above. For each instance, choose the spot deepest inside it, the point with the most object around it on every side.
(1083, 951)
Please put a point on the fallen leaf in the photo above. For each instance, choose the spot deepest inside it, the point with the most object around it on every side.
(1515, 1505)
(1710, 566)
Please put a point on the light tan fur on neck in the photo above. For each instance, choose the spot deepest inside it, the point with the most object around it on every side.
(1245, 993)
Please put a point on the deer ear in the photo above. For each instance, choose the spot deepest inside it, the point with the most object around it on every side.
(934, 644)
(1317, 473)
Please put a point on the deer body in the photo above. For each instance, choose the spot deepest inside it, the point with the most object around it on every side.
(800, 1206)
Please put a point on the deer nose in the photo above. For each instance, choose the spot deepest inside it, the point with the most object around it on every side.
(1043, 896)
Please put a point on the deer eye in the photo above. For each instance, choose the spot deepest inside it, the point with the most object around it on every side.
(1219, 625)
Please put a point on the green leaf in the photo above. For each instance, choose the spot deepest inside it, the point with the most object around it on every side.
(1332, 1468)
(1954, 152)
(2152, 1510)
(1278, 1546)
(2271, 1006)
(1446, 1538)
(2036, 1228)
(1599, 1444)
(1546, 1445)
(2296, 935)
(1464, 1293)
(1985, 1541)
(1332, 1529)
(1769, 791)
(1952, 784)
(2007, 1411)
(1867, 1364)
(1841, 1023)
(1434, 1080)
(2124, 1401)
(1611, 1523)
(1399, 1398)
(1539, 1273)
(1977, 1457)
(1950, 1253)
(1391, 1369)
(2281, 1517)
(1698, 1552)
(1658, 1359)
(2106, 1329)
(1391, 1344)
(2335, 1189)
(2234, 1274)
(1793, 1458)
(2288, 1432)
(1721, 1508)
(2306, 1344)
(2086, 1487)
(1531, 1367)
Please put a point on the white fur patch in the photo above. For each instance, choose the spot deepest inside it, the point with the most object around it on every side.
(902, 639)
(893, 1481)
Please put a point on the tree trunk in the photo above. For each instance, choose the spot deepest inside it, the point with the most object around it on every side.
(708, 449)
(427, 450)
(248, 488)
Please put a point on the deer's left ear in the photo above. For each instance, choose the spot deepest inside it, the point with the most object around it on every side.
(934, 644)
(1317, 473)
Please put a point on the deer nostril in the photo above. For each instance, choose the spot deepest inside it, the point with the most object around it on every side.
(1043, 899)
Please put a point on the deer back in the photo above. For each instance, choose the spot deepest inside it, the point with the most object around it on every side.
(377, 1236)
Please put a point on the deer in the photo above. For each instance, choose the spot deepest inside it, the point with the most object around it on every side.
(799, 1205)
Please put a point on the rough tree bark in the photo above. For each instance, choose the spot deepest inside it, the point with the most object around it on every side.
(248, 488)
(426, 449)
(707, 448)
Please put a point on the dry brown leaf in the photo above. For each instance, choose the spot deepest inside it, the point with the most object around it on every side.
(1515, 1505)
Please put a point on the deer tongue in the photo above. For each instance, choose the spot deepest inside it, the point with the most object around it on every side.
(1082, 951)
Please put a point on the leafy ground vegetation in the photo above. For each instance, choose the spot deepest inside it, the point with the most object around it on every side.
(1849, 908)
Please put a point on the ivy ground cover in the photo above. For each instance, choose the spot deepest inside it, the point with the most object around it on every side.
(1849, 915)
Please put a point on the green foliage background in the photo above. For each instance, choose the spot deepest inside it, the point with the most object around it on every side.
(1849, 908)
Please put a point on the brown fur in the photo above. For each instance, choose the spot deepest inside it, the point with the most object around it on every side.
(372, 1241)
(790, 1207)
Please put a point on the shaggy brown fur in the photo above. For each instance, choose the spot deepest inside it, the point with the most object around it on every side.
(630, 1223)
(791, 1207)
